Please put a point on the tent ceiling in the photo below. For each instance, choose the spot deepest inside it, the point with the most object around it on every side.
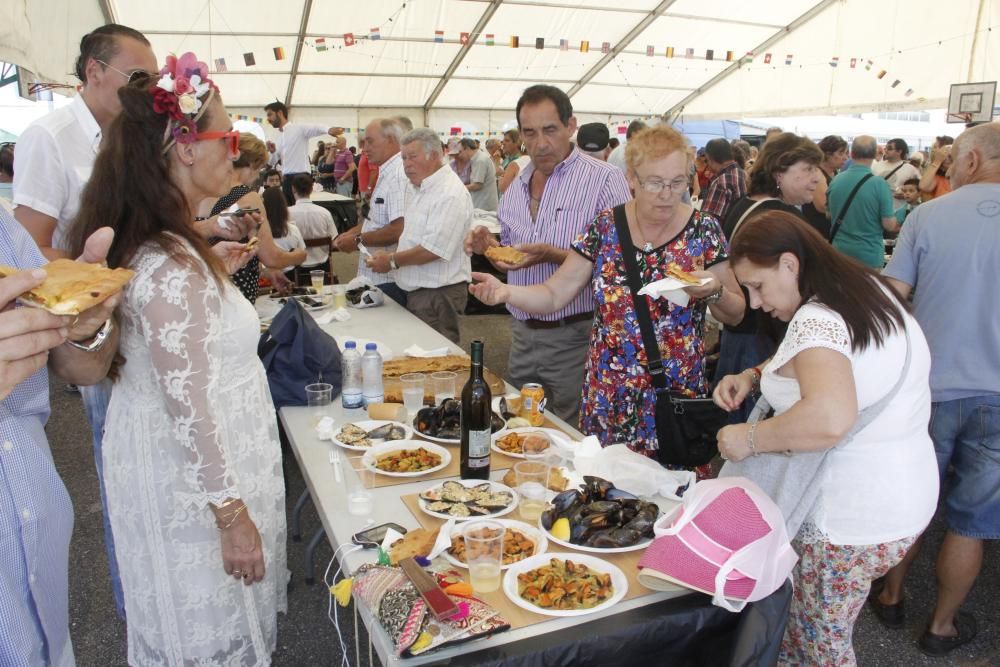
(924, 45)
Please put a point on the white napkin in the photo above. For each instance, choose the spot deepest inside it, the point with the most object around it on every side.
(328, 316)
(629, 470)
(324, 429)
(443, 539)
(417, 351)
(390, 537)
(670, 289)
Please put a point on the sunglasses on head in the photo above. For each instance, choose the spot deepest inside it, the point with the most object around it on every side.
(232, 138)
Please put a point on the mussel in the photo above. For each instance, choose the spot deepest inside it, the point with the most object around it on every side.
(387, 432)
(601, 515)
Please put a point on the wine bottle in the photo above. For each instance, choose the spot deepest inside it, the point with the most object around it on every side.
(475, 420)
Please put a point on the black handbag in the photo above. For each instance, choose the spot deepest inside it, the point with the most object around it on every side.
(685, 427)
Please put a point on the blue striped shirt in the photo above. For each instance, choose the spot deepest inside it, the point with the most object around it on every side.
(36, 516)
(577, 190)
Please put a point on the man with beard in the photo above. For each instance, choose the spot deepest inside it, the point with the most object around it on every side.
(292, 147)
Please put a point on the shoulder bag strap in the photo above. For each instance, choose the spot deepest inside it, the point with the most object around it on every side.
(898, 167)
(654, 362)
(746, 214)
(839, 220)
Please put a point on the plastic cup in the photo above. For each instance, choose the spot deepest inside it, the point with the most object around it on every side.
(360, 500)
(443, 384)
(483, 554)
(339, 296)
(319, 396)
(413, 391)
(532, 477)
(316, 278)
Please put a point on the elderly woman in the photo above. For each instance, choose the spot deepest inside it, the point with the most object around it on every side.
(845, 348)
(191, 455)
(834, 156)
(784, 177)
(618, 395)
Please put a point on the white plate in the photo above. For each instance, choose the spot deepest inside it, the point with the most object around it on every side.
(368, 425)
(469, 483)
(533, 534)
(443, 441)
(618, 582)
(382, 348)
(560, 441)
(395, 445)
(596, 550)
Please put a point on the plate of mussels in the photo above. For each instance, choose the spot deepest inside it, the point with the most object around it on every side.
(599, 518)
(443, 423)
(360, 436)
(468, 499)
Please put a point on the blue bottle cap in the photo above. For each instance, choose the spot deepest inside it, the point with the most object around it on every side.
(350, 345)
(371, 346)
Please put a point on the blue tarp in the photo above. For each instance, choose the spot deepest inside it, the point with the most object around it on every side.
(699, 132)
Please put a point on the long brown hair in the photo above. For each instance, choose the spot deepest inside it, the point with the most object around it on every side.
(846, 286)
(277, 211)
(131, 191)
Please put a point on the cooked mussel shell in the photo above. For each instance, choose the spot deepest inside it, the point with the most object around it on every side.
(496, 422)
(427, 421)
(505, 411)
(387, 432)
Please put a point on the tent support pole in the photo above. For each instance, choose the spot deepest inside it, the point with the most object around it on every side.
(975, 41)
(460, 56)
(300, 39)
(109, 12)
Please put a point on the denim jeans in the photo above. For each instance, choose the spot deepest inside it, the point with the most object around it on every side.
(738, 352)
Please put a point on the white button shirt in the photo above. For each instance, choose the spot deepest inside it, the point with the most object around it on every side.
(314, 222)
(386, 205)
(293, 146)
(54, 158)
(437, 217)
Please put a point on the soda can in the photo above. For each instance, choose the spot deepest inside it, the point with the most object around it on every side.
(533, 403)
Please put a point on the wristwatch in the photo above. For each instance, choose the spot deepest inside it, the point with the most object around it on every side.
(715, 296)
(99, 339)
(392, 262)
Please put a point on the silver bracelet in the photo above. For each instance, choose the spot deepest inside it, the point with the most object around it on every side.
(99, 339)
(716, 296)
(750, 443)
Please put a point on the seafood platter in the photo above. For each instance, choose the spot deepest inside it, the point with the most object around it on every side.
(600, 518)
(467, 499)
(442, 423)
(564, 584)
(406, 458)
(360, 436)
(520, 541)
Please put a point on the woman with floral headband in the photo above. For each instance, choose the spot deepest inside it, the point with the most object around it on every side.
(191, 454)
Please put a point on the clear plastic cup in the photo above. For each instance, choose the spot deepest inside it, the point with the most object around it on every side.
(413, 391)
(319, 396)
(316, 279)
(360, 500)
(443, 385)
(483, 554)
(532, 478)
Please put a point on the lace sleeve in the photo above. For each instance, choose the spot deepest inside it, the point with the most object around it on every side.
(181, 317)
(813, 326)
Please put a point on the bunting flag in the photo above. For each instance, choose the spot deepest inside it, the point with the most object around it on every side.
(515, 41)
(729, 56)
(249, 60)
(748, 58)
(279, 53)
(788, 59)
(767, 58)
(348, 39)
(320, 43)
(868, 66)
(539, 42)
(881, 73)
(564, 45)
(894, 83)
(463, 38)
(909, 91)
(605, 47)
(854, 63)
(220, 64)
(689, 53)
(834, 61)
(585, 46)
(439, 36)
(375, 33)
(710, 54)
(650, 50)
(489, 40)
(670, 52)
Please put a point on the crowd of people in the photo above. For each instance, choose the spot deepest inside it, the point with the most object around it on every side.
(786, 241)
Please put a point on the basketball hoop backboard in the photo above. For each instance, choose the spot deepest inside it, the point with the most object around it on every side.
(971, 102)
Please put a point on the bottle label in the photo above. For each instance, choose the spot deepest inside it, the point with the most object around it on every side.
(479, 463)
(371, 399)
(479, 446)
(352, 400)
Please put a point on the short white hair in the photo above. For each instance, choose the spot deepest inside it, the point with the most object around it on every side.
(427, 138)
(389, 127)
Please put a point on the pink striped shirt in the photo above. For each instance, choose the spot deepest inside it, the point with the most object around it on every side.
(578, 189)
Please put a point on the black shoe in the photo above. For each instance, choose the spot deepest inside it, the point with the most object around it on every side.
(71, 389)
(937, 646)
(889, 615)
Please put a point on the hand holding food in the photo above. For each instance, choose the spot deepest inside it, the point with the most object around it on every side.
(234, 255)
(506, 255)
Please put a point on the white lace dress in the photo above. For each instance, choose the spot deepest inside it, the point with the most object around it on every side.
(191, 423)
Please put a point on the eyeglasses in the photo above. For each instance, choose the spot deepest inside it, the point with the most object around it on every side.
(232, 138)
(131, 77)
(656, 186)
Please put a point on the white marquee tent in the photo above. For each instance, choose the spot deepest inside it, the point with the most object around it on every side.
(729, 59)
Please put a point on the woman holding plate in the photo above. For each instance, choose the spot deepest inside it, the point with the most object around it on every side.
(618, 395)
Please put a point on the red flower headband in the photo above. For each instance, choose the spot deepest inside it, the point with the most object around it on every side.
(178, 94)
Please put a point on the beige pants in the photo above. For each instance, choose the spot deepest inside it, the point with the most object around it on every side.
(439, 307)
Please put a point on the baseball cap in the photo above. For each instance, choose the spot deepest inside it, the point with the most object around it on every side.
(454, 145)
(592, 137)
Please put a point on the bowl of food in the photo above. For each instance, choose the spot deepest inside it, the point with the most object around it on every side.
(564, 584)
(520, 541)
(463, 499)
(406, 458)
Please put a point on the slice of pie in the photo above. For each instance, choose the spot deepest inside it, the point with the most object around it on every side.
(506, 254)
(73, 287)
(680, 274)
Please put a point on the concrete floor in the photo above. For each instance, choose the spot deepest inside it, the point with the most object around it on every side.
(306, 637)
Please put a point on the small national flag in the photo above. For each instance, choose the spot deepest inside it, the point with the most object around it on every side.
(854, 63)
(220, 64)
(881, 73)
(279, 53)
(788, 59)
(375, 33)
(650, 50)
(710, 54)
(539, 42)
(767, 58)
(248, 59)
(605, 47)
(515, 41)
(463, 38)
(868, 65)
(439, 36)
(564, 45)
(909, 91)
(834, 61)
(689, 53)
(348, 39)
(748, 58)
(489, 40)
(320, 43)
(894, 83)
(670, 52)
(729, 56)
(585, 46)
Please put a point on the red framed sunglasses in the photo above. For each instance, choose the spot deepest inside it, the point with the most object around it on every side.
(232, 138)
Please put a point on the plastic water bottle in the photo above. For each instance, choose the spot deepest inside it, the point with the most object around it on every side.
(371, 369)
(351, 397)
